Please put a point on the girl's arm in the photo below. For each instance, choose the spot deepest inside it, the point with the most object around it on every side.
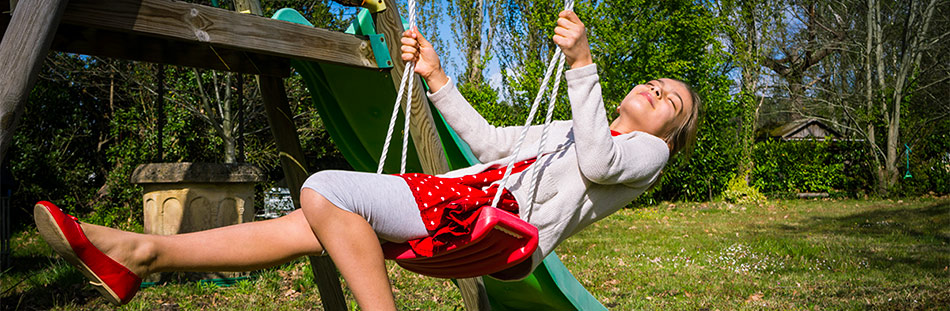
(601, 159)
(487, 142)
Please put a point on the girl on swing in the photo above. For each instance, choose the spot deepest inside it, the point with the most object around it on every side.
(589, 169)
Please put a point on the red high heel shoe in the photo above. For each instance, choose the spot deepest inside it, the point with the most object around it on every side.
(66, 237)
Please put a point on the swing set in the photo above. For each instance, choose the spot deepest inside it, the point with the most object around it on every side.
(511, 240)
(184, 34)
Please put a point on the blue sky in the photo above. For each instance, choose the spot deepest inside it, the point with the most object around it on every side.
(451, 56)
(453, 62)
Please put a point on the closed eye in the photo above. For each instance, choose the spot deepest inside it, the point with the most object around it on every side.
(678, 109)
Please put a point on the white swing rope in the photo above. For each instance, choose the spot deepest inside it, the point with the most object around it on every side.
(407, 79)
(557, 58)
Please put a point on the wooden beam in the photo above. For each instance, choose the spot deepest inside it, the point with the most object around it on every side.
(220, 29)
(123, 45)
(294, 164)
(23, 49)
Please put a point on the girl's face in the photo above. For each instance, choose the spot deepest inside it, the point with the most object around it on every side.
(654, 107)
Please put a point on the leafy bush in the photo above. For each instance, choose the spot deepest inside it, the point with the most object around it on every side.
(929, 163)
(739, 191)
(810, 166)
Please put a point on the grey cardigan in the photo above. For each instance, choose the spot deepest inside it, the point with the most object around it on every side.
(585, 174)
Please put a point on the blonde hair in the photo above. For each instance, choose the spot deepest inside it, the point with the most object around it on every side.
(683, 135)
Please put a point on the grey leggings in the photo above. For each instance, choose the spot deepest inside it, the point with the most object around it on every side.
(385, 201)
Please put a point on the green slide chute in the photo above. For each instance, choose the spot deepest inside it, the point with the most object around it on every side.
(355, 105)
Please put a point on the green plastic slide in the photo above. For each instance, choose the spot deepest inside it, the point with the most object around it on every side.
(356, 104)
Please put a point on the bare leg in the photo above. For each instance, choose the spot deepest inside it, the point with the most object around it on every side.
(241, 247)
(355, 250)
(348, 238)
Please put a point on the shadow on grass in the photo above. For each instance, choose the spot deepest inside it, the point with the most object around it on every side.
(48, 282)
(28, 264)
(914, 236)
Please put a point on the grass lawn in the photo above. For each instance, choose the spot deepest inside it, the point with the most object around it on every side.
(814, 254)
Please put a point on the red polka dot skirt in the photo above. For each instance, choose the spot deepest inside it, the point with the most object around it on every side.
(450, 206)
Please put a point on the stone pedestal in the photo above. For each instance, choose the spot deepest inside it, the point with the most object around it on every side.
(189, 197)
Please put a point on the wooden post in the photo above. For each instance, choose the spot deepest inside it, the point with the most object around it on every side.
(292, 160)
(22, 52)
(424, 135)
(249, 7)
(474, 294)
(294, 165)
(422, 126)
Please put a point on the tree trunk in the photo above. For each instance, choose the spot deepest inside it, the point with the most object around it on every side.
(880, 171)
(873, 39)
(159, 115)
(471, 21)
(796, 92)
(748, 46)
(915, 28)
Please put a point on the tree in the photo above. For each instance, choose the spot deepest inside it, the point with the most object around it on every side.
(748, 30)
(849, 63)
(474, 33)
(895, 63)
(224, 101)
(912, 38)
(814, 31)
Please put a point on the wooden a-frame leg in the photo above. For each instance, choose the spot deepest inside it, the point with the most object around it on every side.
(23, 49)
(474, 295)
(295, 171)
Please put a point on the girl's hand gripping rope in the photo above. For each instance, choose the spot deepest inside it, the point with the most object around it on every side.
(416, 48)
(571, 36)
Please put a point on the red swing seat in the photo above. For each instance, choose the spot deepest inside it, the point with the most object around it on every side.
(499, 240)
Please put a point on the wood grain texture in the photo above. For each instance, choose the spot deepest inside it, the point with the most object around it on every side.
(295, 171)
(193, 23)
(424, 135)
(474, 294)
(24, 46)
(422, 126)
(123, 45)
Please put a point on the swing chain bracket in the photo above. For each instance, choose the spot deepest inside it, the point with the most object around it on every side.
(363, 25)
(380, 50)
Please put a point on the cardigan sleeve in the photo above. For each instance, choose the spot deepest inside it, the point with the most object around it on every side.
(488, 143)
(627, 159)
